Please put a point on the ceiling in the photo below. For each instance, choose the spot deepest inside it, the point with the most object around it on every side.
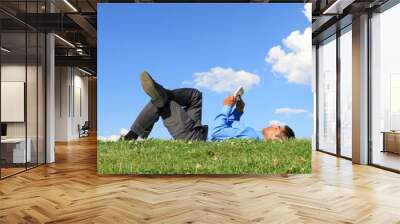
(332, 15)
(73, 21)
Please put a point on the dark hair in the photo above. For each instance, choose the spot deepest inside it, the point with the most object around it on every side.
(288, 132)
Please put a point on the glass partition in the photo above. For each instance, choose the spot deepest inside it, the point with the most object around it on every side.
(14, 153)
(346, 92)
(23, 91)
(327, 95)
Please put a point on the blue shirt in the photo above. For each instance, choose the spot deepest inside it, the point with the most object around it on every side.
(227, 125)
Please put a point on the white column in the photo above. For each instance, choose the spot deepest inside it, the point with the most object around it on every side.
(50, 100)
(50, 93)
(360, 90)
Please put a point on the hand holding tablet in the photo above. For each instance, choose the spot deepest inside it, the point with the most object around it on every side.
(239, 93)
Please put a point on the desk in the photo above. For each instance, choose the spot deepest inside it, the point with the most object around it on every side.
(391, 141)
(13, 150)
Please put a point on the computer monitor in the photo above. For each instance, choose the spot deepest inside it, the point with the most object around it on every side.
(3, 129)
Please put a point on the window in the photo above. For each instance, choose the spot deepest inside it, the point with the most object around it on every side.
(346, 92)
(385, 88)
(327, 95)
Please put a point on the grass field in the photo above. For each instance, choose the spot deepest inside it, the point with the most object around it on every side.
(226, 157)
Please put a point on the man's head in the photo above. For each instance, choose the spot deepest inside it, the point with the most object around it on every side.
(280, 132)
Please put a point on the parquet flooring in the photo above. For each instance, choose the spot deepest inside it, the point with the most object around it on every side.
(70, 191)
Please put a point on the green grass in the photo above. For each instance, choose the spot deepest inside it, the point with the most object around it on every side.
(226, 157)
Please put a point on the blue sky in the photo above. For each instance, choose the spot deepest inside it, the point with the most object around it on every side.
(262, 46)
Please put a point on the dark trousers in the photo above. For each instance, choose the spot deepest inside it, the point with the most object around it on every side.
(181, 115)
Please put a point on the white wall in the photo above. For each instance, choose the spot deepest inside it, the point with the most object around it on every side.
(62, 82)
(70, 83)
(80, 89)
(13, 101)
(10, 73)
(17, 73)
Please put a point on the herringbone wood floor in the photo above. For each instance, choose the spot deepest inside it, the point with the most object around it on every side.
(70, 191)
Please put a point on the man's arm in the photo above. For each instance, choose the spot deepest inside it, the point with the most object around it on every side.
(222, 122)
(223, 118)
(235, 115)
(222, 129)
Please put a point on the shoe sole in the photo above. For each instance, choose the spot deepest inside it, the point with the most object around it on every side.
(150, 89)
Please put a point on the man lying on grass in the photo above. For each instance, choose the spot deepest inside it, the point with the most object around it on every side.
(180, 110)
(227, 124)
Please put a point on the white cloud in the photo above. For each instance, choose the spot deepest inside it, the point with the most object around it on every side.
(123, 131)
(307, 11)
(114, 137)
(111, 138)
(220, 79)
(292, 59)
(276, 122)
(289, 111)
(294, 64)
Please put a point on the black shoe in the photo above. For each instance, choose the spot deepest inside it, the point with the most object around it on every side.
(204, 132)
(156, 92)
(130, 136)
